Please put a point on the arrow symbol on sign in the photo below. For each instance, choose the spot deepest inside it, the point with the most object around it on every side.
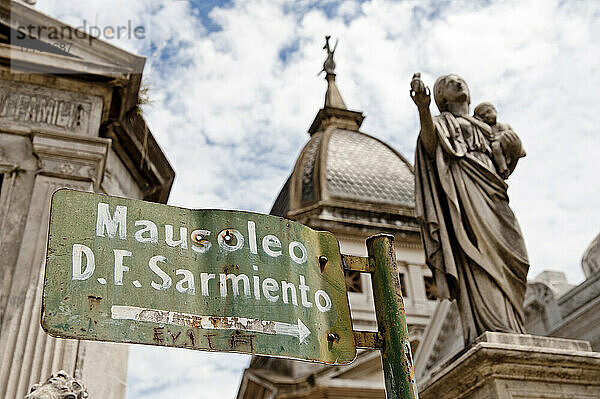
(295, 330)
(210, 322)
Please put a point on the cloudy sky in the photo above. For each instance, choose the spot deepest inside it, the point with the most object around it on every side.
(234, 88)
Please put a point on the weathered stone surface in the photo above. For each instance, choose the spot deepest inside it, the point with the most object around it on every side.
(535, 341)
(106, 363)
(59, 386)
(72, 158)
(541, 309)
(580, 312)
(590, 262)
(442, 339)
(30, 106)
(507, 366)
(76, 127)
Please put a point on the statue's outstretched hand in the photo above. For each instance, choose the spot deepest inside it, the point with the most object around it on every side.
(420, 93)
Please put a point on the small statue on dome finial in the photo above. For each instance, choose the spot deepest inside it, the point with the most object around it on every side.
(329, 64)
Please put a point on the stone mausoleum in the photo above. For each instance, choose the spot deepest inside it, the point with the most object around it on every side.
(68, 118)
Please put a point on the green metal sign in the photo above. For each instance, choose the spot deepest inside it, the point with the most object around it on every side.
(131, 271)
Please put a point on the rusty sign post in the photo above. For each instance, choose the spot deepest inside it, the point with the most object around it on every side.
(130, 271)
(392, 338)
(396, 354)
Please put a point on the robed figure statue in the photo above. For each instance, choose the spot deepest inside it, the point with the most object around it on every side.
(472, 240)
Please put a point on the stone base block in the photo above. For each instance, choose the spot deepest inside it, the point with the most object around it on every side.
(515, 366)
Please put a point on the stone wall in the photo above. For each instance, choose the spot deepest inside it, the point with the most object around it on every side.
(48, 140)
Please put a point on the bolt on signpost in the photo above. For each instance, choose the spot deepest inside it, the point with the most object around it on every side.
(130, 271)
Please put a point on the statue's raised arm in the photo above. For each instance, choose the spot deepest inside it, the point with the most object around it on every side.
(421, 95)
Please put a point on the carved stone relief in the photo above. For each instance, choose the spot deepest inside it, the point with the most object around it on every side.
(30, 106)
(68, 157)
(59, 386)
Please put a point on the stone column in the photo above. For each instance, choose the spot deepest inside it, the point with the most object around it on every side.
(27, 354)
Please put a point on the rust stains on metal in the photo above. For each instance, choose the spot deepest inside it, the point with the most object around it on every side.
(215, 321)
(357, 263)
(231, 269)
(238, 339)
(213, 264)
(198, 237)
(391, 319)
(227, 236)
(333, 337)
(368, 339)
(94, 301)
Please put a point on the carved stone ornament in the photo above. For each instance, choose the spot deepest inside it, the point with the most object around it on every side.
(71, 156)
(59, 386)
(49, 110)
(590, 262)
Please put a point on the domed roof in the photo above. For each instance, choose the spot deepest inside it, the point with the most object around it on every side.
(345, 175)
(345, 165)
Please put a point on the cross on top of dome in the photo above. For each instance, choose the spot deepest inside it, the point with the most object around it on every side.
(334, 112)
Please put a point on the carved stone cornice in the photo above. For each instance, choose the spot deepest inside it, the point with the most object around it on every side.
(137, 148)
(345, 217)
(29, 107)
(500, 365)
(71, 157)
(336, 117)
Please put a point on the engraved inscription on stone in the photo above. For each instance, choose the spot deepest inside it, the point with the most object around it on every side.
(35, 106)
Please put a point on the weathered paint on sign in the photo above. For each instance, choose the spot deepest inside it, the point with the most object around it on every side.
(131, 271)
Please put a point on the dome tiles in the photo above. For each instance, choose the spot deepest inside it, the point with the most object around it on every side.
(352, 166)
(362, 168)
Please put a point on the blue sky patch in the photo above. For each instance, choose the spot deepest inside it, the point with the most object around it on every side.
(204, 7)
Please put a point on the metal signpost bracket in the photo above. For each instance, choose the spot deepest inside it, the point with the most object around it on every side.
(392, 338)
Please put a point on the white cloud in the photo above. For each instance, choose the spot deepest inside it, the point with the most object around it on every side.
(159, 373)
(232, 115)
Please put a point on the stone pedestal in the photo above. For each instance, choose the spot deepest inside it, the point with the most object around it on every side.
(513, 366)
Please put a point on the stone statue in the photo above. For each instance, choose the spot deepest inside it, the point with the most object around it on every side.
(329, 64)
(472, 240)
(59, 386)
